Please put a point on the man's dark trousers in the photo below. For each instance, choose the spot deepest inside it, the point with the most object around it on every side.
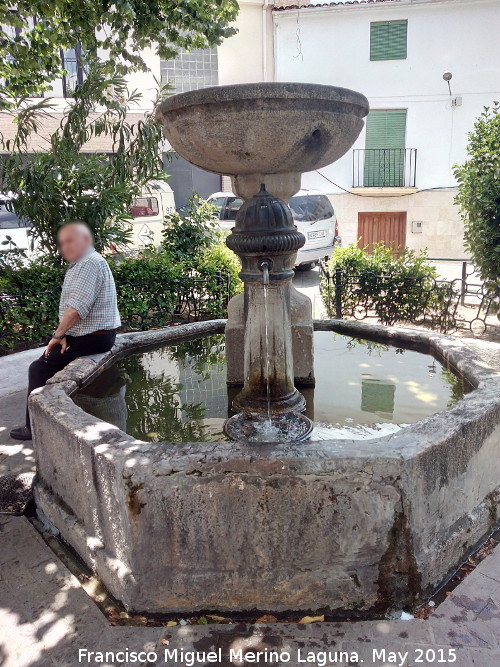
(78, 346)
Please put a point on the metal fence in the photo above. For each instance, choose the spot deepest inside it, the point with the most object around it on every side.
(445, 306)
(144, 305)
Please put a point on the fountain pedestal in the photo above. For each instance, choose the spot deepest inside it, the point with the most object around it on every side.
(265, 133)
(266, 241)
(299, 307)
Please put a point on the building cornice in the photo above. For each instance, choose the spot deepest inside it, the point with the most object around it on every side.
(282, 6)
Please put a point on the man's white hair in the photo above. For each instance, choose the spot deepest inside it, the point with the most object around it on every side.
(82, 226)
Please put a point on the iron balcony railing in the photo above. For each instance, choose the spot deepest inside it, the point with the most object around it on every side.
(384, 167)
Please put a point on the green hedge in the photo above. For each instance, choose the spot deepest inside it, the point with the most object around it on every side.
(397, 288)
(152, 291)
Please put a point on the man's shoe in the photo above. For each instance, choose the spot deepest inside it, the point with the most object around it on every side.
(21, 433)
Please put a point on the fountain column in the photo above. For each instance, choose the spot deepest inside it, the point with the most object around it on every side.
(266, 241)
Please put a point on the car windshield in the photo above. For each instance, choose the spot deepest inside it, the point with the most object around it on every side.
(218, 202)
(310, 208)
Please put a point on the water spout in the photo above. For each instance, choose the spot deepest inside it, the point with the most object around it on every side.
(265, 265)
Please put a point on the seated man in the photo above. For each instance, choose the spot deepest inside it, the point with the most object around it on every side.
(88, 311)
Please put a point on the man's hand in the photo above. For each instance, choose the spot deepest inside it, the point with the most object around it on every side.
(53, 342)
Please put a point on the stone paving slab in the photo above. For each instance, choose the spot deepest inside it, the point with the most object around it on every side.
(15, 456)
(13, 370)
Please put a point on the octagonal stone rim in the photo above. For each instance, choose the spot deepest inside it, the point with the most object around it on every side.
(407, 443)
(106, 493)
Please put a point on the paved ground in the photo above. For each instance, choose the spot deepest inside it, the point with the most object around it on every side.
(14, 456)
(46, 617)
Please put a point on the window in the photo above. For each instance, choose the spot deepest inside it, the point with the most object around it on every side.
(388, 40)
(311, 208)
(72, 63)
(144, 207)
(219, 203)
(385, 148)
(191, 70)
(233, 205)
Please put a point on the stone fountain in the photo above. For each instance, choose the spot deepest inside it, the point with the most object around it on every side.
(264, 136)
(331, 524)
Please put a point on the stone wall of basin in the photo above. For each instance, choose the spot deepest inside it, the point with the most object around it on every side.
(340, 524)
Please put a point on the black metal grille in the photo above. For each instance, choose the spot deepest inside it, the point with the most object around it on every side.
(28, 317)
(438, 304)
(384, 167)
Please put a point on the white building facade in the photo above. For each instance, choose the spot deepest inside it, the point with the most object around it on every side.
(397, 183)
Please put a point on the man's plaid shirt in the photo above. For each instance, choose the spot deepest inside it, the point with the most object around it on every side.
(90, 289)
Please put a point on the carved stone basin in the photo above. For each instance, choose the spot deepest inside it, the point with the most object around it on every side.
(263, 127)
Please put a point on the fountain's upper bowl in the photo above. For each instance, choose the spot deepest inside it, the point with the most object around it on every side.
(267, 128)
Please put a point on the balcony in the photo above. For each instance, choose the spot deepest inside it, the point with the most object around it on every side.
(384, 167)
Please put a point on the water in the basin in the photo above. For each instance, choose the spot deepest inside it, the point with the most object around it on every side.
(179, 393)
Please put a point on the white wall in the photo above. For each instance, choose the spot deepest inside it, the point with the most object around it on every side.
(441, 231)
(248, 56)
(143, 82)
(457, 35)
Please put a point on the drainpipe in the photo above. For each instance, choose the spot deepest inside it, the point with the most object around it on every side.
(275, 46)
(264, 39)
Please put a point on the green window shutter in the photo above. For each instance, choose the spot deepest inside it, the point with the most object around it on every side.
(386, 128)
(385, 148)
(388, 40)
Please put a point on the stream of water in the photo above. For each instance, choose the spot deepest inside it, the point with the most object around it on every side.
(266, 431)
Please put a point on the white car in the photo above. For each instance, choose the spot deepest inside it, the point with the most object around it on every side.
(148, 212)
(313, 215)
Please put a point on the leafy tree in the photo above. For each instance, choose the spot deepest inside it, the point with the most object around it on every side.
(33, 33)
(479, 193)
(65, 184)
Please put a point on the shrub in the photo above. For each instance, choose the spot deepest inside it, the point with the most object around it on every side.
(187, 234)
(398, 288)
(479, 193)
(152, 291)
(29, 300)
(219, 259)
(148, 289)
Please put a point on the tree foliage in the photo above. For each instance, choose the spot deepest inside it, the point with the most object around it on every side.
(33, 33)
(63, 183)
(479, 193)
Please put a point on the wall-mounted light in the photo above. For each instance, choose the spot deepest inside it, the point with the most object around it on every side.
(447, 76)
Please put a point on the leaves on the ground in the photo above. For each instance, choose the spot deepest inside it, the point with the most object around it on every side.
(266, 618)
(213, 618)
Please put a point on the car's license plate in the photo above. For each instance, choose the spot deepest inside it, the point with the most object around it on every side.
(320, 234)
